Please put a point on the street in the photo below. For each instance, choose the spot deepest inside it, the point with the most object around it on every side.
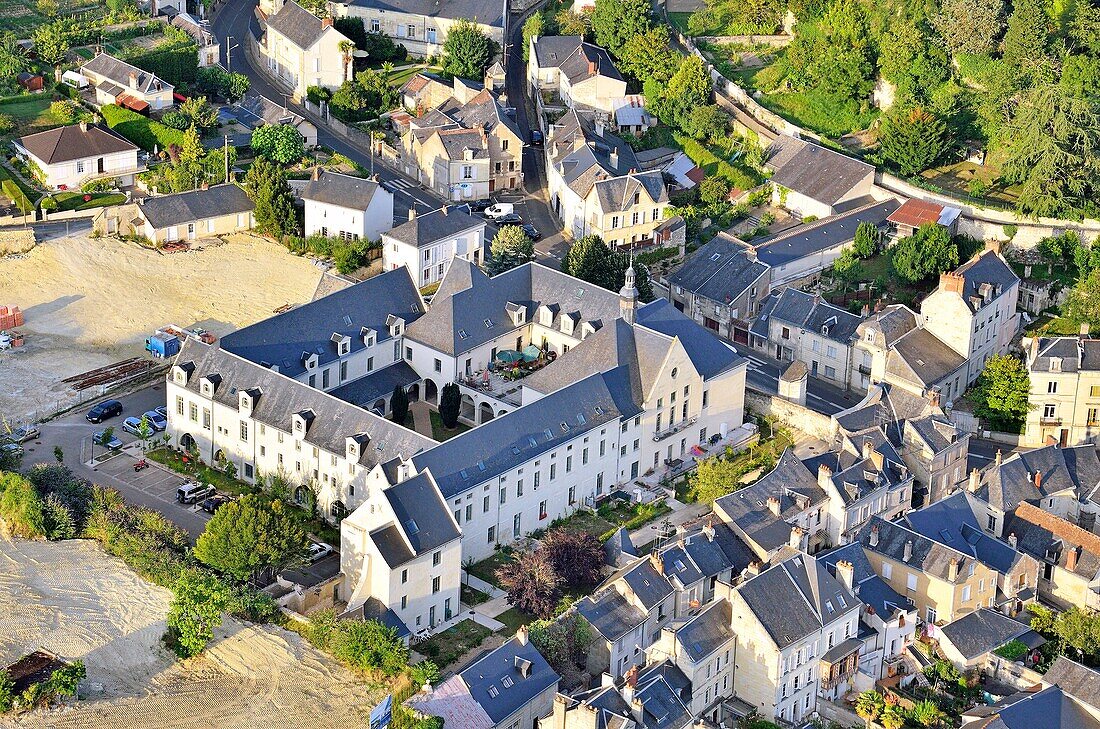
(763, 376)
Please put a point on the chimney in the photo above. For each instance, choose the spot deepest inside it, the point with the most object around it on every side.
(975, 481)
(908, 553)
(133, 80)
(997, 458)
(993, 245)
(865, 311)
(83, 125)
(614, 158)
(868, 448)
(316, 174)
(412, 213)
(600, 127)
(1038, 478)
(444, 210)
(952, 282)
(753, 569)
(1012, 541)
(934, 398)
(1084, 330)
(1071, 559)
(326, 22)
(873, 541)
(750, 253)
(797, 533)
(708, 531)
(376, 178)
(658, 562)
(845, 572)
(630, 684)
(591, 67)
(879, 306)
(952, 570)
(774, 505)
(824, 475)
(522, 635)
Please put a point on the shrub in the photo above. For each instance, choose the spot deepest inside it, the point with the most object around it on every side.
(7, 124)
(142, 538)
(176, 120)
(140, 130)
(21, 508)
(63, 111)
(7, 687)
(363, 644)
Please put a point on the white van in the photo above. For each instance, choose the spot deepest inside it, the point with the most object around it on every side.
(193, 491)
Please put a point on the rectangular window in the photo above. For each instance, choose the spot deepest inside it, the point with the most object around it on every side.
(553, 471)
(404, 576)
(542, 510)
(324, 379)
(1048, 411)
(244, 431)
(537, 474)
(370, 364)
(492, 534)
(911, 581)
(179, 405)
(485, 505)
(437, 557)
(206, 418)
(193, 412)
(503, 494)
(568, 464)
(411, 30)
(519, 488)
(516, 526)
(469, 511)
(1052, 387)
(572, 495)
(438, 365)
(435, 585)
(343, 371)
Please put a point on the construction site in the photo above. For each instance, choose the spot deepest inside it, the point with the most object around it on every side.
(77, 312)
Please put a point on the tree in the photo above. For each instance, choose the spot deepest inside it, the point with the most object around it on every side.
(58, 454)
(848, 267)
(49, 8)
(892, 717)
(199, 599)
(249, 535)
(865, 244)
(467, 52)
(368, 645)
(316, 7)
(970, 26)
(12, 59)
(570, 23)
(1001, 391)
(577, 557)
(715, 477)
(7, 688)
(614, 22)
(649, 55)
(914, 140)
(191, 151)
(590, 259)
(450, 402)
(1083, 302)
(914, 62)
(200, 111)
(510, 248)
(1080, 629)
(713, 190)
(533, 27)
(399, 404)
(1053, 151)
(237, 85)
(925, 713)
(928, 252)
(688, 89)
(708, 121)
(269, 191)
(346, 48)
(532, 584)
(869, 706)
(281, 143)
(51, 44)
(1026, 41)
(145, 431)
(63, 111)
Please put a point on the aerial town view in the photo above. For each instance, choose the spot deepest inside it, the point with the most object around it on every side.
(550, 364)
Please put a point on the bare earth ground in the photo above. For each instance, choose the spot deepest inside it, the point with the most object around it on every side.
(71, 598)
(90, 302)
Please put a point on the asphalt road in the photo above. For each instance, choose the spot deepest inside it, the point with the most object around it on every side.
(763, 376)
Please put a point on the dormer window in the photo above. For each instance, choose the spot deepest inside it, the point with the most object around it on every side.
(488, 323)
(209, 384)
(309, 360)
(1055, 364)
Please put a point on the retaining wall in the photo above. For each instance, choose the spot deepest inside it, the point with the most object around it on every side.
(797, 416)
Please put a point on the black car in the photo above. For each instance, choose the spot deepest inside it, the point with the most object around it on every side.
(478, 206)
(212, 504)
(531, 231)
(536, 138)
(508, 219)
(104, 410)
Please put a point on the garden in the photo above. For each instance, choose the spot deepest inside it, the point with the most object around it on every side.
(719, 475)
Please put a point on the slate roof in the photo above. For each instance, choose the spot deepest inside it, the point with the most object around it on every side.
(610, 614)
(809, 312)
(501, 669)
(483, 12)
(106, 65)
(181, 208)
(457, 141)
(882, 407)
(953, 522)
(855, 477)
(365, 391)
(1007, 484)
(928, 556)
(695, 556)
(720, 271)
(707, 632)
(297, 25)
(421, 515)
(65, 144)
(648, 585)
(810, 597)
(709, 354)
(985, 630)
(433, 227)
(665, 693)
(988, 267)
(814, 171)
(280, 397)
(1075, 680)
(346, 191)
(822, 235)
(375, 609)
(1043, 535)
(618, 548)
(617, 193)
(582, 155)
(1076, 355)
(922, 358)
(889, 325)
(1048, 707)
(573, 57)
(871, 589)
(936, 433)
(482, 111)
(281, 340)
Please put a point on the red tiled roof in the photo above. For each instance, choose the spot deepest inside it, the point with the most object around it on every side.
(131, 102)
(916, 213)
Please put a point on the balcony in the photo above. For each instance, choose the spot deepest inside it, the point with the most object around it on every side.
(1044, 420)
(673, 430)
(864, 369)
(840, 663)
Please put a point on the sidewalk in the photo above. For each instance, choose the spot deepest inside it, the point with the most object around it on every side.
(422, 417)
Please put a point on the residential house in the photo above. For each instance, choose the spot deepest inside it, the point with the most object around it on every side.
(67, 157)
(969, 642)
(1078, 683)
(578, 74)
(914, 213)
(422, 25)
(629, 115)
(796, 630)
(203, 213)
(1068, 556)
(1065, 390)
(209, 47)
(943, 583)
(347, 207)
(425, 91)
(625, 211)
(794, 325)
(702, 649)
(656, 696)
(302, 50)
(799, 254)
(1045, 705)
(118, 82)
(453, 161)
(427, 244)
(254, 111)
(888, 621)
(814, 181)
(721, 286)
(509, 687)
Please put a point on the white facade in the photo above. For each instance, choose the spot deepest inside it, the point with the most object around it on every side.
(338, 221)
(429, 263)
(74, 173)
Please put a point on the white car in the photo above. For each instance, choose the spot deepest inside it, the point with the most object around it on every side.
(497, 210)
(318, 551)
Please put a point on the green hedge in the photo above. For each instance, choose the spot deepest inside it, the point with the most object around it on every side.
(175, 65)
(140, 130)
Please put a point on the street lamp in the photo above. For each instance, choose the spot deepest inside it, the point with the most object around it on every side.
(229, 46)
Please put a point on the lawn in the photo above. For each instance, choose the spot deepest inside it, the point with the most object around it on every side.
(13, 188)
(515, 619)
(447, 647)
(716, 162)
(957, 178)
(76, 201)
(440, 433)
(401, 75)
(1053, 325)
(471, 597)
(31, 115)
(583, 521)
(486, 569)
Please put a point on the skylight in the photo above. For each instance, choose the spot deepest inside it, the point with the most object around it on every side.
(488, 323)
(462, 334)
(507, 681)
(347, 320)
(829, 606)
(493, 692)
(411, 527)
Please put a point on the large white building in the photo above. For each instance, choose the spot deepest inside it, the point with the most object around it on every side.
(345, 206)
(427, 243)
(303, 50)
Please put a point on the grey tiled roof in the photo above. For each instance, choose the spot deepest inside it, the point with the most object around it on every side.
(665, 693)
(709, 354)
(694, 556)
(986, 268)
(514, 690)
(118, 71)
(188, 207)
(720, 271)
(482, 111)
(871, 589)
(421, 516)
(365, 391)
(69, 143)
(822, 235)
(344, 191)
(1076, 355)
(617, 193)
(706, 632)
(433, 227)
(282, 339)
(937, 433)
(814, 171)
(457, 141)
(581, 155)
(1049, 708)
(484, 12)
(922, 358)
(809, 312)
(928, 556)
(610, 614)
(890, 324)
(1076, 680)
(883, 405)
(647, 584)
(296, 24)
(1011, 482)
(953, 521)
(982, 631)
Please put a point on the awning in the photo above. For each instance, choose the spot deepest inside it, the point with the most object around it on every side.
(132, 103)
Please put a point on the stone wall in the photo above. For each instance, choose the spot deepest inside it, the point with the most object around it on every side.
(798, 417)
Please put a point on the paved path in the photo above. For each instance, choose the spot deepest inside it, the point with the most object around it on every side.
(681, 515)
(422, 417)
(482, 586)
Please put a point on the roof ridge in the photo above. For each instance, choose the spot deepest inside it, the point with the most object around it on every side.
(1066, 528)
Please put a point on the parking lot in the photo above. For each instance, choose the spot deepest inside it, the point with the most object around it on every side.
(155, 482)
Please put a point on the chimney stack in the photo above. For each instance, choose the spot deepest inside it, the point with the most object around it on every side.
(204, 186)
(824, 475)
(908, 553)
(326, 22)
(522, 635)
(591, 67)
(658, 562)
(868, 448)
(879, 306)
(997, 458)
(975, 481)
(133, 80)
(1084, 329)
(630, 683)
(316, 174)
(845, 573)
(1071, 559)
(83, 125)
(412, 213)
(1038, 480)
(1012, 541)
(865, 311)
(708, 531)
(753, 569)
(797, 533)
(774, 505)
(614, 158)
(952, 570)
(952, 282)
(873, 541)
(443, 210)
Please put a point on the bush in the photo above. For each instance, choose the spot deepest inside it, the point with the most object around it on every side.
(63, 111)
(318, 94)
(140, 130)
(363, 644)
(7, 687)
(21, 508)
(7, 124)
(176, 120)
(142, 538)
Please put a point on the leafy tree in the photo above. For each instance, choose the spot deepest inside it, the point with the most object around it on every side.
(577, 557)
(450, 402)
(914, 140)
(49, 8)
(614, 22)
(1080, 74)
(869, 706)
(737, 17)
(281, 143)
(834, 55)
(970, 26)
(58, 454)
(912, 61)
(847, 266)
(200, 112)
(364, 644)
(865, 244)
(649, 55)
(590, 259)
(1083, 302)
(925, 713)
(570, 23)
(892, 717)
(63, 111)
(399, 404)
(708, 121)
(688, 89)
(51, 44)
(510, 248)
(713, 190)
(269, 191)
(317, 7)
(532, 584)
(1053, 151)
(58, 520)
(191, 151)
(249, 535)
(199, 599)
(715, 477)
(237, 85)
(928, 252)
(534, 26)
(562, 642)
(12, 59)
(467, 52)
(1027, 39)
(1001, 391)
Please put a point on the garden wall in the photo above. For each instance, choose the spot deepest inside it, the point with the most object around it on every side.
(775, 41)
(798, 417)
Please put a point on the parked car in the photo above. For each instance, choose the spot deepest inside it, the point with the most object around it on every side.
(114, 442)
(213, 503)
(531, 231)
(162, 410)
(12, 448)
(132, 426)
(499, 209)
(104, 410)
(318, 551)
(193, 491)
(536, 138)
(509, 219)
(481, 205)
(156, 420)
(21, 434)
